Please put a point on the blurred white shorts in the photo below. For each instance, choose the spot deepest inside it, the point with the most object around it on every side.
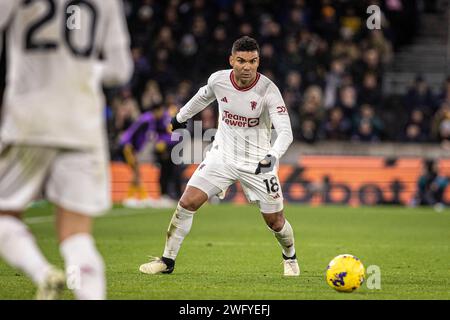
(76, 180)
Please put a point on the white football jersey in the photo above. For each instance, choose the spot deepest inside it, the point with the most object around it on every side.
(246, 116)
(54, 82)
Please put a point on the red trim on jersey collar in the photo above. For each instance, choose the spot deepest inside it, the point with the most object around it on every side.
(235, 85)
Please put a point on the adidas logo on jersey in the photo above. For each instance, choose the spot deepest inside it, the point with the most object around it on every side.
(224, 99)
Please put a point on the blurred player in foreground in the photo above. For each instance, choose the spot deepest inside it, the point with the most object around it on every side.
(249, 103)
(153, 126)
(53, 137)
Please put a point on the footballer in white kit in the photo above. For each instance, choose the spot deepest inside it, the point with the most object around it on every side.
(52, 130)
(249, 105)
(243, 138)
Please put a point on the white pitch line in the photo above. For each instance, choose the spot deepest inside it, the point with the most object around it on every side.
(35, 220)
(119, 212)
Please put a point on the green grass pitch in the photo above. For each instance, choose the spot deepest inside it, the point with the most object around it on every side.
(230, 253)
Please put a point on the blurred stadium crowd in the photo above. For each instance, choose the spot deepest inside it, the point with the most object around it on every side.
(328, 65)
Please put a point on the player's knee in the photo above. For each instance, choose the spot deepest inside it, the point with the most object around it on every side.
(192, 199)
(277, 226)
(276, 222)
(189, 204)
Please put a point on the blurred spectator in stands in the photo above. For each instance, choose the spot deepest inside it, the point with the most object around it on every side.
(439, 123)
(245, 29)
(351, 21)
(163, 70)
(141, 71)
(333, 81)
(292, 92)
(271, 33)
(444, 133)
(169, 175)
(187, 58)
(199, 8)
(309, 116)
(269, 73)
(269, 59)
(170, 99)
(125, 112)
(348, 100)
(218, 49)
(223, 19)
(347, 80)
(309, 130)
(142, 20)
(312, 106)
(430, 186)
(164, 39)
(378, 41)
(420, 96)
(172, 19)
(239, 14)
(370, 91)
(208, 119)
(183, 93)
(367, 114)
(150, 127)
(441, 126)
(328, 25)
(200, 31)
(337, 126)
(314, 53)
(296, 21)
(346, 47)
(365, 132)
(413, 133)
(323, 58)
(370, 62)
(152, 96)
(291, 58)
(444, 96)
(419, 118)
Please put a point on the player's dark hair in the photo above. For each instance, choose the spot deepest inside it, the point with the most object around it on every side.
(245, 43)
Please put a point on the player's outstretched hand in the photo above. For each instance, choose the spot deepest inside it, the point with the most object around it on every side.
(266, 164)
(177, 125)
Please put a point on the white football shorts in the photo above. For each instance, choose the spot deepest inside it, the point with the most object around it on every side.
(76, 180)
(213, 176)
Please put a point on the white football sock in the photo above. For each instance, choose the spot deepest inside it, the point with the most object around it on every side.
(18, 247)
(285, 238)
(179, 227)
(84, 267)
